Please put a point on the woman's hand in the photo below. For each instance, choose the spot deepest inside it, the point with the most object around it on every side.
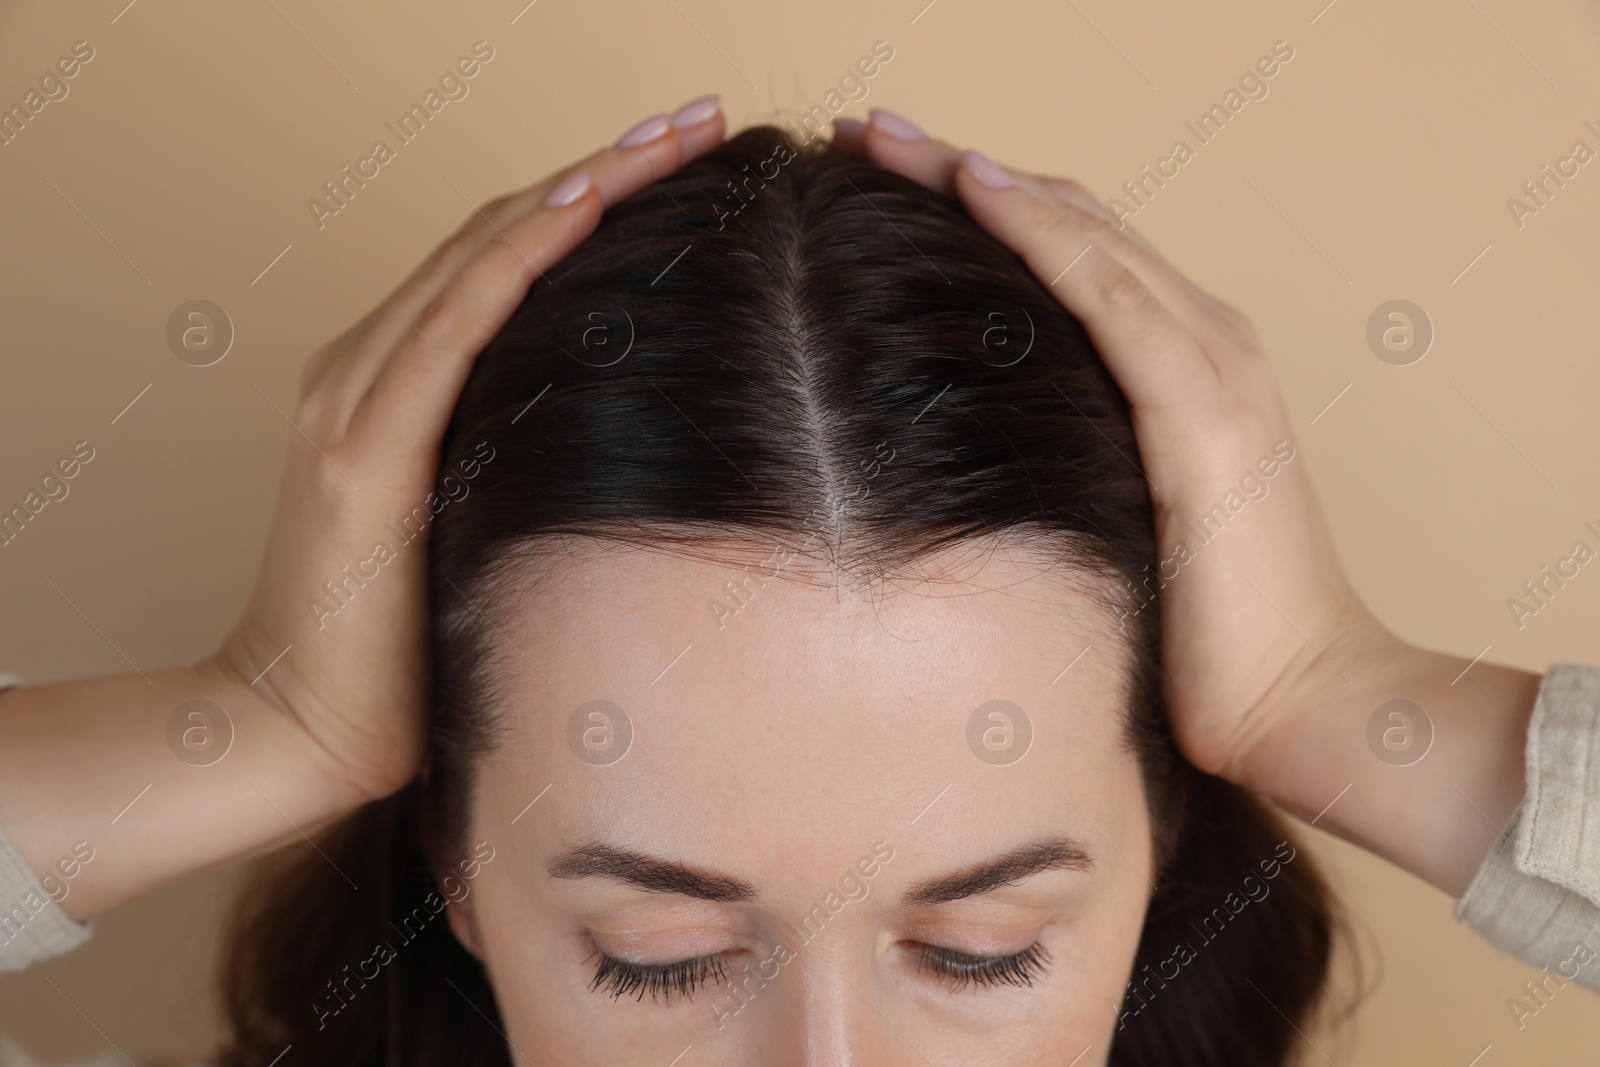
(373, 408)
(324, 680)
(1210, 422)
(1272, 664)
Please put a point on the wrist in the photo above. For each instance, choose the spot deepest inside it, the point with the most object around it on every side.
(1436, 810)
(1355, 657)
(321, 779)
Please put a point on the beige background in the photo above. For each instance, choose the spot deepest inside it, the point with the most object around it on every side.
(1378, 167)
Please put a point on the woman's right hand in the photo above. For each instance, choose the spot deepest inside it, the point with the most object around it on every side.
(374, 404)
(327, 706)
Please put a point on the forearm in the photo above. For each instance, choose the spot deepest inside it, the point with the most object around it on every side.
(90, 761)
(1436, 816)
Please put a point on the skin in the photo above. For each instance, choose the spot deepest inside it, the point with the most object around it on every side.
(1272, 667)
(777, 752)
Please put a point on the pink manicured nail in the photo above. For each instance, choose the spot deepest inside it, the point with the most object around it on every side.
(571, 188)
(895, 126)
(695, 112)
(646, 131)
(852, 129)
(987, 171)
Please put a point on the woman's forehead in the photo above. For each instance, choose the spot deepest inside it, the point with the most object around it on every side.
(639, 673)
(676, 630)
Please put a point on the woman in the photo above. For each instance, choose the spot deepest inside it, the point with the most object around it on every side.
(794, 688)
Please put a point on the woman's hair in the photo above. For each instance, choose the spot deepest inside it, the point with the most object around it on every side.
(777, 344)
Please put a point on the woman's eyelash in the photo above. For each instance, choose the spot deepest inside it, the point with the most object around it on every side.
(661, 980)
(962, 969)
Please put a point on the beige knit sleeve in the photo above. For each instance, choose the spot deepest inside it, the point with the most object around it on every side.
(32, 926)
(1537, 895)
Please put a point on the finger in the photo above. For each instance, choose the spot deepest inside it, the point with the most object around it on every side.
(659, 145)
(1200, 312)
(654, 147)
(405, 412)
(1159, 364)
(1076, 193)
(698, 125)
(896, 143)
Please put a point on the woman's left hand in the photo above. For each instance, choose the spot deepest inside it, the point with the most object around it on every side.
(1272, 664)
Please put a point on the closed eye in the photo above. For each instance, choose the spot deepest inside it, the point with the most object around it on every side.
(963, 970)
(662, 981)
(683, 978)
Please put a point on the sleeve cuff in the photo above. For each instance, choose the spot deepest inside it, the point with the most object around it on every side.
(1559, 839)
(32, 926)
(1537, 894)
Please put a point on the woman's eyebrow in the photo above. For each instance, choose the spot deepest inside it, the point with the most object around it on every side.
(1046, 854)
(650, 873)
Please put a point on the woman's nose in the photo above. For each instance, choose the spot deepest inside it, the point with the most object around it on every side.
(822, 1014)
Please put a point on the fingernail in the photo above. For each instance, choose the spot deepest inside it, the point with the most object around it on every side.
(895, 126)
(987, 171)
(646, 131)
(843, 127)
(695, 111)
(571, 188)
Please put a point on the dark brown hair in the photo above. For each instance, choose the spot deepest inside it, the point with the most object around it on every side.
(727, 357)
